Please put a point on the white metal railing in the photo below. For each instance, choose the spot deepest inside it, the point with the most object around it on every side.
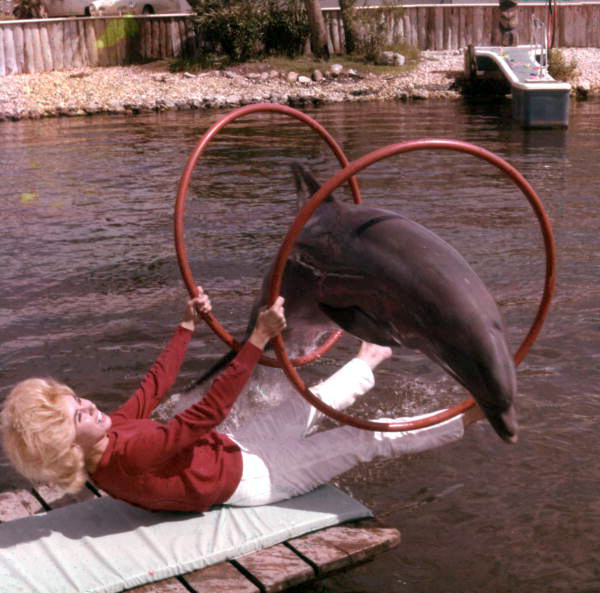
(539, 44)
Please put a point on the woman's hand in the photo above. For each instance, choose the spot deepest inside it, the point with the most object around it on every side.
(270, 322)
(199, 305)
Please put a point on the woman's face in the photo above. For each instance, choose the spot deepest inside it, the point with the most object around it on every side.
(91, 425)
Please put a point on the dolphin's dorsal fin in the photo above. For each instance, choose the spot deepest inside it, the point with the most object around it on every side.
(306, 184)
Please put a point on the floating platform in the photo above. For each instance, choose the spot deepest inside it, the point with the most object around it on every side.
(53, 542)
(538, 100)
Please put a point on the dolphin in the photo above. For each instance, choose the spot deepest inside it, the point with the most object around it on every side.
(389, 280)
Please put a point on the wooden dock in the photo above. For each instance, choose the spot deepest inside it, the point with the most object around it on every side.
(293, 562)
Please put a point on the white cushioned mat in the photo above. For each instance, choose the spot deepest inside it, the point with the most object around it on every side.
(106, 545)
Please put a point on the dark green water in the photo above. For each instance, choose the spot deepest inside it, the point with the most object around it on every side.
(91, 290)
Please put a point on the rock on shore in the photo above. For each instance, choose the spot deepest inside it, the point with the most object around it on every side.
(149, 87)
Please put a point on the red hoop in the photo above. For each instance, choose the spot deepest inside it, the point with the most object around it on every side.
(342, 176)
(180, 211)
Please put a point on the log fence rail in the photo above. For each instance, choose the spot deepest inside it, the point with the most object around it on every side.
(38, 45)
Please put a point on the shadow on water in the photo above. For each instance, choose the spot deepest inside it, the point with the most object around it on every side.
(91, 291)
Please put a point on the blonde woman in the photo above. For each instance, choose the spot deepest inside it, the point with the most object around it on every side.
(51, 434)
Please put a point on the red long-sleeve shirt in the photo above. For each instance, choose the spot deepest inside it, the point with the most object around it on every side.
(184, 465)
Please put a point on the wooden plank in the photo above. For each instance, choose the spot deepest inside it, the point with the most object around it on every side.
(220, 578)
(276, 568)
(17, 505)
(343, 546)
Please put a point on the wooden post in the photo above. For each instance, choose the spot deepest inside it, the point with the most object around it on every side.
(429, 28)
(175, 38)
(19, 47)
(165, 46)
(587, 32)
(98, 26)
(120, 42)
(10, 57)
(421, 27)
(487, 27)
(70, 32)
(465, 27)
(438, 27)
(92, 44)
(143, 38)
(183, 36)
(398, 26)
(38, 58)
(450, 27)
(166, 38)
(46, 49)
(28, 50)
(56, 46)
(3, 69)
(593, 19)
(81, 44)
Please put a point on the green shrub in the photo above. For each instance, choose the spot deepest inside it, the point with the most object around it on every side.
(558, 67)
(373, 30)
(244, 30)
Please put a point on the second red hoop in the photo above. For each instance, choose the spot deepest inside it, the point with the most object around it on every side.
(334, 183)
(184, 182)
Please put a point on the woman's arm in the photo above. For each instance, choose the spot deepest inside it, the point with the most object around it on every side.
(160, 443)
(164, 371)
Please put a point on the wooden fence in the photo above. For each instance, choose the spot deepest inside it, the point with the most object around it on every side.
(54, 44)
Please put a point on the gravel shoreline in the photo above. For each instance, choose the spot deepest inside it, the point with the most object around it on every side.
(151, 87)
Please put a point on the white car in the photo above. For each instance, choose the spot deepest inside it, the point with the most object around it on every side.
(68, 8)
(118, 7)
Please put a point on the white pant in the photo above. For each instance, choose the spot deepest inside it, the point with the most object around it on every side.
(282, 459)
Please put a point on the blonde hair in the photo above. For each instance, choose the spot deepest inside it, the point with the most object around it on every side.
(38, 434)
